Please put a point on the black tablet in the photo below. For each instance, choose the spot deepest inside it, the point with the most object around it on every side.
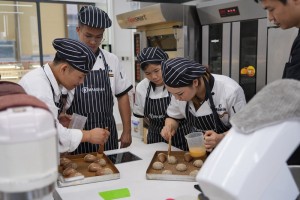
(123, 157)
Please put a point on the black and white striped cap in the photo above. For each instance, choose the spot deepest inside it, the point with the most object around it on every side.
(94, 17)
(152, 54)
(76, 53)
(180, 72)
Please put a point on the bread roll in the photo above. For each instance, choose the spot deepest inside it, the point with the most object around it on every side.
(162, 157)
(101, 161)
(172, 160)
(181, 167)
(194, 173)
(198, 163)
(69, 171)
(157, 165)
(166, 171)
(104, 171)
(93, 167)
(64, 161)
(71, 165)
(187, 157)
(90, 158)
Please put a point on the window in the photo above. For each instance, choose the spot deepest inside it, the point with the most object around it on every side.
(27, 29)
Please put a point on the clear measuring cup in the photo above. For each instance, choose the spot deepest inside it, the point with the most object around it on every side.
(77, 121)
(195, 142)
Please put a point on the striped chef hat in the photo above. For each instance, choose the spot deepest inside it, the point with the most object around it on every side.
(94, 17)
(180, 72)
(152, 54)
(77, 54)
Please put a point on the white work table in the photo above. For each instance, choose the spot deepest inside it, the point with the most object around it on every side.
(133, 177)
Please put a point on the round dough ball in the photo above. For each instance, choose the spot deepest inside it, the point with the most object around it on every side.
(188, 157)
(172, 160)
(104, 171)
(69, 171)
(157, 165)
(71, 165)
(181, 167)
(194, 173)
(162, 157)
(64, 161)
(75, 174)
(198, 163)
(101, 162)
(166, 171)
(93, 167)
(90, 158)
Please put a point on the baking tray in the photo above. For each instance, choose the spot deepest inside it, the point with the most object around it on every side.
(89, 177)
(176, 175)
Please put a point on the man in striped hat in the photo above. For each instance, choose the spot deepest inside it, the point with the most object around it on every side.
(206, 100)
(95, 97)
(73, 61)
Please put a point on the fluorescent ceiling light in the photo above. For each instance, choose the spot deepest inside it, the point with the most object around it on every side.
(9, 77)
(12, 13)
(14, 5)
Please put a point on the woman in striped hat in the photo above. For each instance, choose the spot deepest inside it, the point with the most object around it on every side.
(152, 98)
(206, 100)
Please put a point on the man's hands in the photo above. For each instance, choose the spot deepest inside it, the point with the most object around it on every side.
(125, 139)
(64, 119)
(95, 136)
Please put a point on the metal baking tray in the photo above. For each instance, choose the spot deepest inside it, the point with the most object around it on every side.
(176, 175)
(89, 177)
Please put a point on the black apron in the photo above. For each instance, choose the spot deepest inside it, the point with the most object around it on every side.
(207, 122)
(155, 111)
(94, 99)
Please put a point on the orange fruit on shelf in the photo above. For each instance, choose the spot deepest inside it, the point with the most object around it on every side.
(244, 71)
(250, 70)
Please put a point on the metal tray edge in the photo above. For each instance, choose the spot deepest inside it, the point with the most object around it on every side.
(89, 180)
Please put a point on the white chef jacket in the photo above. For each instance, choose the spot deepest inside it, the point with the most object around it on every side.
(141, 92)
(37, 84)
(228, 97)
(118, 79)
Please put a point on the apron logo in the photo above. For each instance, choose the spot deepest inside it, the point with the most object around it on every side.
(156, 116)
(86, 90)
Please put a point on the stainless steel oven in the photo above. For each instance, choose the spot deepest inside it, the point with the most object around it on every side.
(234, 42)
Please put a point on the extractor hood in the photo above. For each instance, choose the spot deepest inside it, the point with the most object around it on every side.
(154, 14)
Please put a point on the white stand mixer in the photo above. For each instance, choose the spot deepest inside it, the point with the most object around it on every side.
(250, 162)
(252, 166)
(29, 154)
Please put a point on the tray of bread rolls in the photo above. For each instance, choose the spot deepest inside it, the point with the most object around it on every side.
(180, 166)
(85, 168)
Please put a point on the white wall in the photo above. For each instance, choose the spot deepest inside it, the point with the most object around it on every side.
(122, 43)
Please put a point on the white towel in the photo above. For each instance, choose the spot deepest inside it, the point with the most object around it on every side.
(277, 102)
